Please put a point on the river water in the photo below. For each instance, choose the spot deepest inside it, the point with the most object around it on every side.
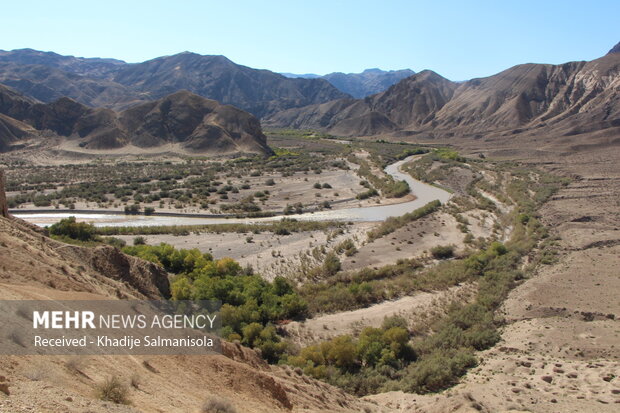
(424, 193)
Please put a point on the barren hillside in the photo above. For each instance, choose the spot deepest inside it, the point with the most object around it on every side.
(577, 96)
(34, 267)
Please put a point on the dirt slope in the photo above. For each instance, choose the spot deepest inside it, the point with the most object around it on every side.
(36, 267)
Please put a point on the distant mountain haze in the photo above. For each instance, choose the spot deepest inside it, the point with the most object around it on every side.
(95, 67)
(360, 85)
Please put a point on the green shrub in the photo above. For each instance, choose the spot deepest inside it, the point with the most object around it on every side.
(442, 252)
(250, 304)
(132, 209)
(115, 242)
(68, 227)
(437, 371)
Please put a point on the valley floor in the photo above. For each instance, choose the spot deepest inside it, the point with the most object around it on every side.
(560, 348)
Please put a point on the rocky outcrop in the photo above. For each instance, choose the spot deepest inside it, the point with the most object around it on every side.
(144, 276)
(4, 210)
(30, 257)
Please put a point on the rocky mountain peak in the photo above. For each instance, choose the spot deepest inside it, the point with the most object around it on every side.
(615, 49)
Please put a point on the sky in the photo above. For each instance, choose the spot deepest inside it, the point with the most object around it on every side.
(458, 39)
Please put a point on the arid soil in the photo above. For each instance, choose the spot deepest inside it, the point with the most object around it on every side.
(560, 348)
(267, 253)
(416, 309)
(34, 267)
(411, 241)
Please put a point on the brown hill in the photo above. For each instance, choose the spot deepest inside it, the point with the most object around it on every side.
(412, 101)
(194, 123)
(12, 132)
(576, 96)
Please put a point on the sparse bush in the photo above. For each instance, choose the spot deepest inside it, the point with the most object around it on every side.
(139, 241)
(393, 223)
(75, 364)
(135, 381)
(331, 265)
(115, 242)
(113, 390)
(217, 405)
(132, 209)
(367, 194)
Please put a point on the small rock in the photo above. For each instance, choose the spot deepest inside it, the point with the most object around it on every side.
(548, 379)
(69, 399)
(4, 388)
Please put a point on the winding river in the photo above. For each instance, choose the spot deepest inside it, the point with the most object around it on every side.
(424, 193)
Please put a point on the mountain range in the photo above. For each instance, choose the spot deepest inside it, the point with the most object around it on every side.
(575, 97)
(360, 85)
(114, 84)
(107, 104)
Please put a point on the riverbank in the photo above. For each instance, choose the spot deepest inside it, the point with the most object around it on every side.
(423, 192)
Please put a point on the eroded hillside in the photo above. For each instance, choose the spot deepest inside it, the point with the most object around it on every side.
(575, 96)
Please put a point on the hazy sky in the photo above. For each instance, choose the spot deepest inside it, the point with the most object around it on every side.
(457, 39)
